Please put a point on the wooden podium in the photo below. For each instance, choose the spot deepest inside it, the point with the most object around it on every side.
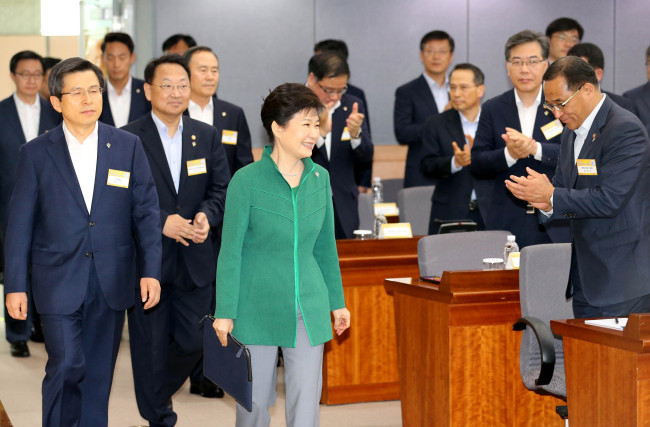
(361, 365)
(607, 372)
(458, 356)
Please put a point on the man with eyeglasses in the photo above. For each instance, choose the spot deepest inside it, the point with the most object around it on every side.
(190, 169)
(593, 55)
(123, 99)
(563, 34)
(23, 116)
(446, 154)
(344, 137)
(83, 205)
(640, 96)
(515, 132)
(422, 98)
(601, 185)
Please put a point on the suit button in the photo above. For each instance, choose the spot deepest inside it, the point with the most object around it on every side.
(92, 224)
(88, 254)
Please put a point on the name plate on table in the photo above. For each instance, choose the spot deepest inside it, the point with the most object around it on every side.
(386, 209)
(396, 231)
(513, 261)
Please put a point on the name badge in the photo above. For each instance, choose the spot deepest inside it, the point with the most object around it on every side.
(553, 129)
(196, 167)
(229, 137)
(386, 209)
(118, 178)
(396, 231)
(345, 136)
(587, 167)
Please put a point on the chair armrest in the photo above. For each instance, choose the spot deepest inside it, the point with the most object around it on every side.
(545, 339)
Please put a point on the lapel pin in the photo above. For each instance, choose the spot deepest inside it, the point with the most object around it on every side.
(593, 137)
(345, 108)
(108, 144)
(317, 174)
(223, 114)
(546, 113)
(193, 143)
(137, 90)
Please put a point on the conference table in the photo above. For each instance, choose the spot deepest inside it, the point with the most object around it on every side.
(458, 355)
(361, 365)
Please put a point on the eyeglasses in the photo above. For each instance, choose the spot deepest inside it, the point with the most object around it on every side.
(331, 92)
(519, 63)
(27, 76)
(564, 37)
(560, 107)
(433, 52)
(167, 88)
(461, 88)
(78, 94)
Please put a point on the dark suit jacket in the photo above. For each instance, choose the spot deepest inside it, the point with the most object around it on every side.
(621, 101)
(499, 208)
(11, 139)
(51, 230)
(640, 97)
(140, 106)
(205, 192)
(414, 104)
(608, 212)
(341, 165)
(228, 116)
(453, 192)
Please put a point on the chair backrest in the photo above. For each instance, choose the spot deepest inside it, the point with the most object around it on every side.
(459, 251)
(414, 205)
(366, 212)
(543, 278)
(391, 189)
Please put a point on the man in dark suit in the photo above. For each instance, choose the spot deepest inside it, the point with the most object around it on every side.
(442, 156)
(84, 204)
(191, 173)
(344, 137)
(204, 106)
(593, 55)
(178, 44)
(602, 186)
(515, 132)
(123, 99)
(563, 34)
(23, 116)
(422, 98)
(640, 96)
(362, 170)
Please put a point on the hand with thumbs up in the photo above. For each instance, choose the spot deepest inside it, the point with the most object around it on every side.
(463, 157)
(354, 121)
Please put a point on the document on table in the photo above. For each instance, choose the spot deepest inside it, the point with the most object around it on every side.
(617, 323)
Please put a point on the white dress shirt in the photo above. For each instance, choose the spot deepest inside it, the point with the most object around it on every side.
(29, 115)
(173, 147)
(527, 116)
(327, 141)
(440, 93)
(120, 104)
(84, 160)
(205, 115)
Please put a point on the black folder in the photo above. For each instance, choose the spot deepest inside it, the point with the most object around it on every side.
(228, 367)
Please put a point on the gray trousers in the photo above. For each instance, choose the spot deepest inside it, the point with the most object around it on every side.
(303, 367)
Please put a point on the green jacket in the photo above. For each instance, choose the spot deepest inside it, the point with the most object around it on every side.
(278, 251)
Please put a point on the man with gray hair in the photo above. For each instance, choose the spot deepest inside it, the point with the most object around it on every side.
(515, 132)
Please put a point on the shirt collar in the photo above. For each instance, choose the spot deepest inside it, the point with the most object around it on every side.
(69, 137)
(433, 83)
(193, 105)
(162, 128)
(466, 122)
(111, 88)
(538, 99)
(586, 125)
(20, 104)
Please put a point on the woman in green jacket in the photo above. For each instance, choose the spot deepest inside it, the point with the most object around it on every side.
(278, 275)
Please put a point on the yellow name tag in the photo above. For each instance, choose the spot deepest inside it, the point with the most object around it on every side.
(386, 209)
(587, 167)
(229, 137)
(396, 231)
(118, 178)
(553, 129)
(196, 167)
(345, 136)
(513, 261)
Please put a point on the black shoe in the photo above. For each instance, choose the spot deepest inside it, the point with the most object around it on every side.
(19, 349)
(206, 389)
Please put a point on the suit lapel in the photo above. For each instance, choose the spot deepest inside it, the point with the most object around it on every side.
(512, 113)
(646, 94)
(455, 128)
(153, 144)
(187, 151)
(106, 109)
(12, 116)
(59, 152)
(570, 151)
(135, 99)
(427, 95)
(104, 155)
